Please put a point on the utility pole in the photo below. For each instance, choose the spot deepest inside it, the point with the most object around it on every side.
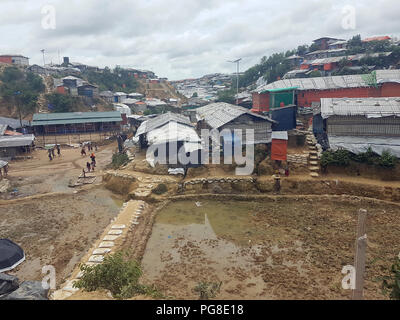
(237, 61)
(44, 62)
(18, 103)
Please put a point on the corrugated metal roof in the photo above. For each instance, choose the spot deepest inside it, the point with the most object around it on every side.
(40, 119)
(335, 82)
(368, 107)
(16, 141)
(161, 120)
(173, 131)
(13, 123)
(220, 113)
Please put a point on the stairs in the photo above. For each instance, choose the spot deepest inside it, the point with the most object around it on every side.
(314, 152)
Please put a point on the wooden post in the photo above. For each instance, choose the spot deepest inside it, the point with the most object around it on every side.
(359, 261)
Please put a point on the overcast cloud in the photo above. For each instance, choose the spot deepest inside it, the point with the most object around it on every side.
(184, 38)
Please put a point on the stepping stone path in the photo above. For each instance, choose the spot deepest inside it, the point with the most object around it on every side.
(96, 258)
(101, 251)
(115, 232)
(105, 246)
(110, 238)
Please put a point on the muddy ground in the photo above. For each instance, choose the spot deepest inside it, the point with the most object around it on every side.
(53, 223)
(283, 249)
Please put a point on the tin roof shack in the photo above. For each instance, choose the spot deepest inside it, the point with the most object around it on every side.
(15, 124)
(76, 122)
(380, 83)
(88, 90)
(107, 96)
(14, 59)
(173, 132)
(13, 146)
(223, 115)
(357, 124)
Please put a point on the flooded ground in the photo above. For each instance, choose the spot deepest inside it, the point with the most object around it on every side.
(55, 224)
(283, 249)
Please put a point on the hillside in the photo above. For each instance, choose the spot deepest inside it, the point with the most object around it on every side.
(354, 56)
(163, 90)
(36, 92)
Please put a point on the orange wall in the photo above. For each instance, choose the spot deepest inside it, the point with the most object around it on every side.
(260, 102)
(6, 60)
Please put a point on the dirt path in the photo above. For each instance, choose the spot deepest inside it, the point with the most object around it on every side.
(40, 175)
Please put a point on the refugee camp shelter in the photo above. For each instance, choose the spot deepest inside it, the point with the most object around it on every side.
(380, 83)
(15, 145)
(13, 124)
(173, 133)
(72, 127)
(157, 122)
(221, 115)
(356, 124)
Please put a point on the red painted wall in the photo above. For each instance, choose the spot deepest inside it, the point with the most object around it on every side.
(260, 102)
(305, 98)
(6, 60)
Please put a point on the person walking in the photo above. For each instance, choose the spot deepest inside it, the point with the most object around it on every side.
(88, 166)
(93, 164)
(53, 152)
(93, 157)
(58, 150)
(83, 152)
(6, 170)
(50, 157)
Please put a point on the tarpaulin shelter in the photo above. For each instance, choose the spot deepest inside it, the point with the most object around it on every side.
(279, 145)
(11, 255)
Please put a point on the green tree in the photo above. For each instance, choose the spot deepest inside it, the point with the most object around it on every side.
(61, 102)
(21, 89)
(227, 96)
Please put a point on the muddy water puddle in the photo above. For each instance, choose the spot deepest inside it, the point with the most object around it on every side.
(215, 242)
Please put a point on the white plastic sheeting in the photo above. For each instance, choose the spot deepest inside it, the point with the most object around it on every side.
(361, 144)
(122, 108)
(172, 131)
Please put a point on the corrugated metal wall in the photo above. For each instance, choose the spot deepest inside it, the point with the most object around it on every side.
(362, 126)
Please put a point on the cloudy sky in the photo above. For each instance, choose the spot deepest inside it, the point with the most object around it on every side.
(183, 38)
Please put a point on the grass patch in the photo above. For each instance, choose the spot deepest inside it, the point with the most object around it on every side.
(116, 273)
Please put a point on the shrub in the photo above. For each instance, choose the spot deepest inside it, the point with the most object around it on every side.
(207, 290)
(387, 160)
(391, 284)
(119, 159)
(160, 189)
(116, 273)
(339, 158)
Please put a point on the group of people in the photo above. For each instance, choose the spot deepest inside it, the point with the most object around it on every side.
(52, 153)
(89, 147)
